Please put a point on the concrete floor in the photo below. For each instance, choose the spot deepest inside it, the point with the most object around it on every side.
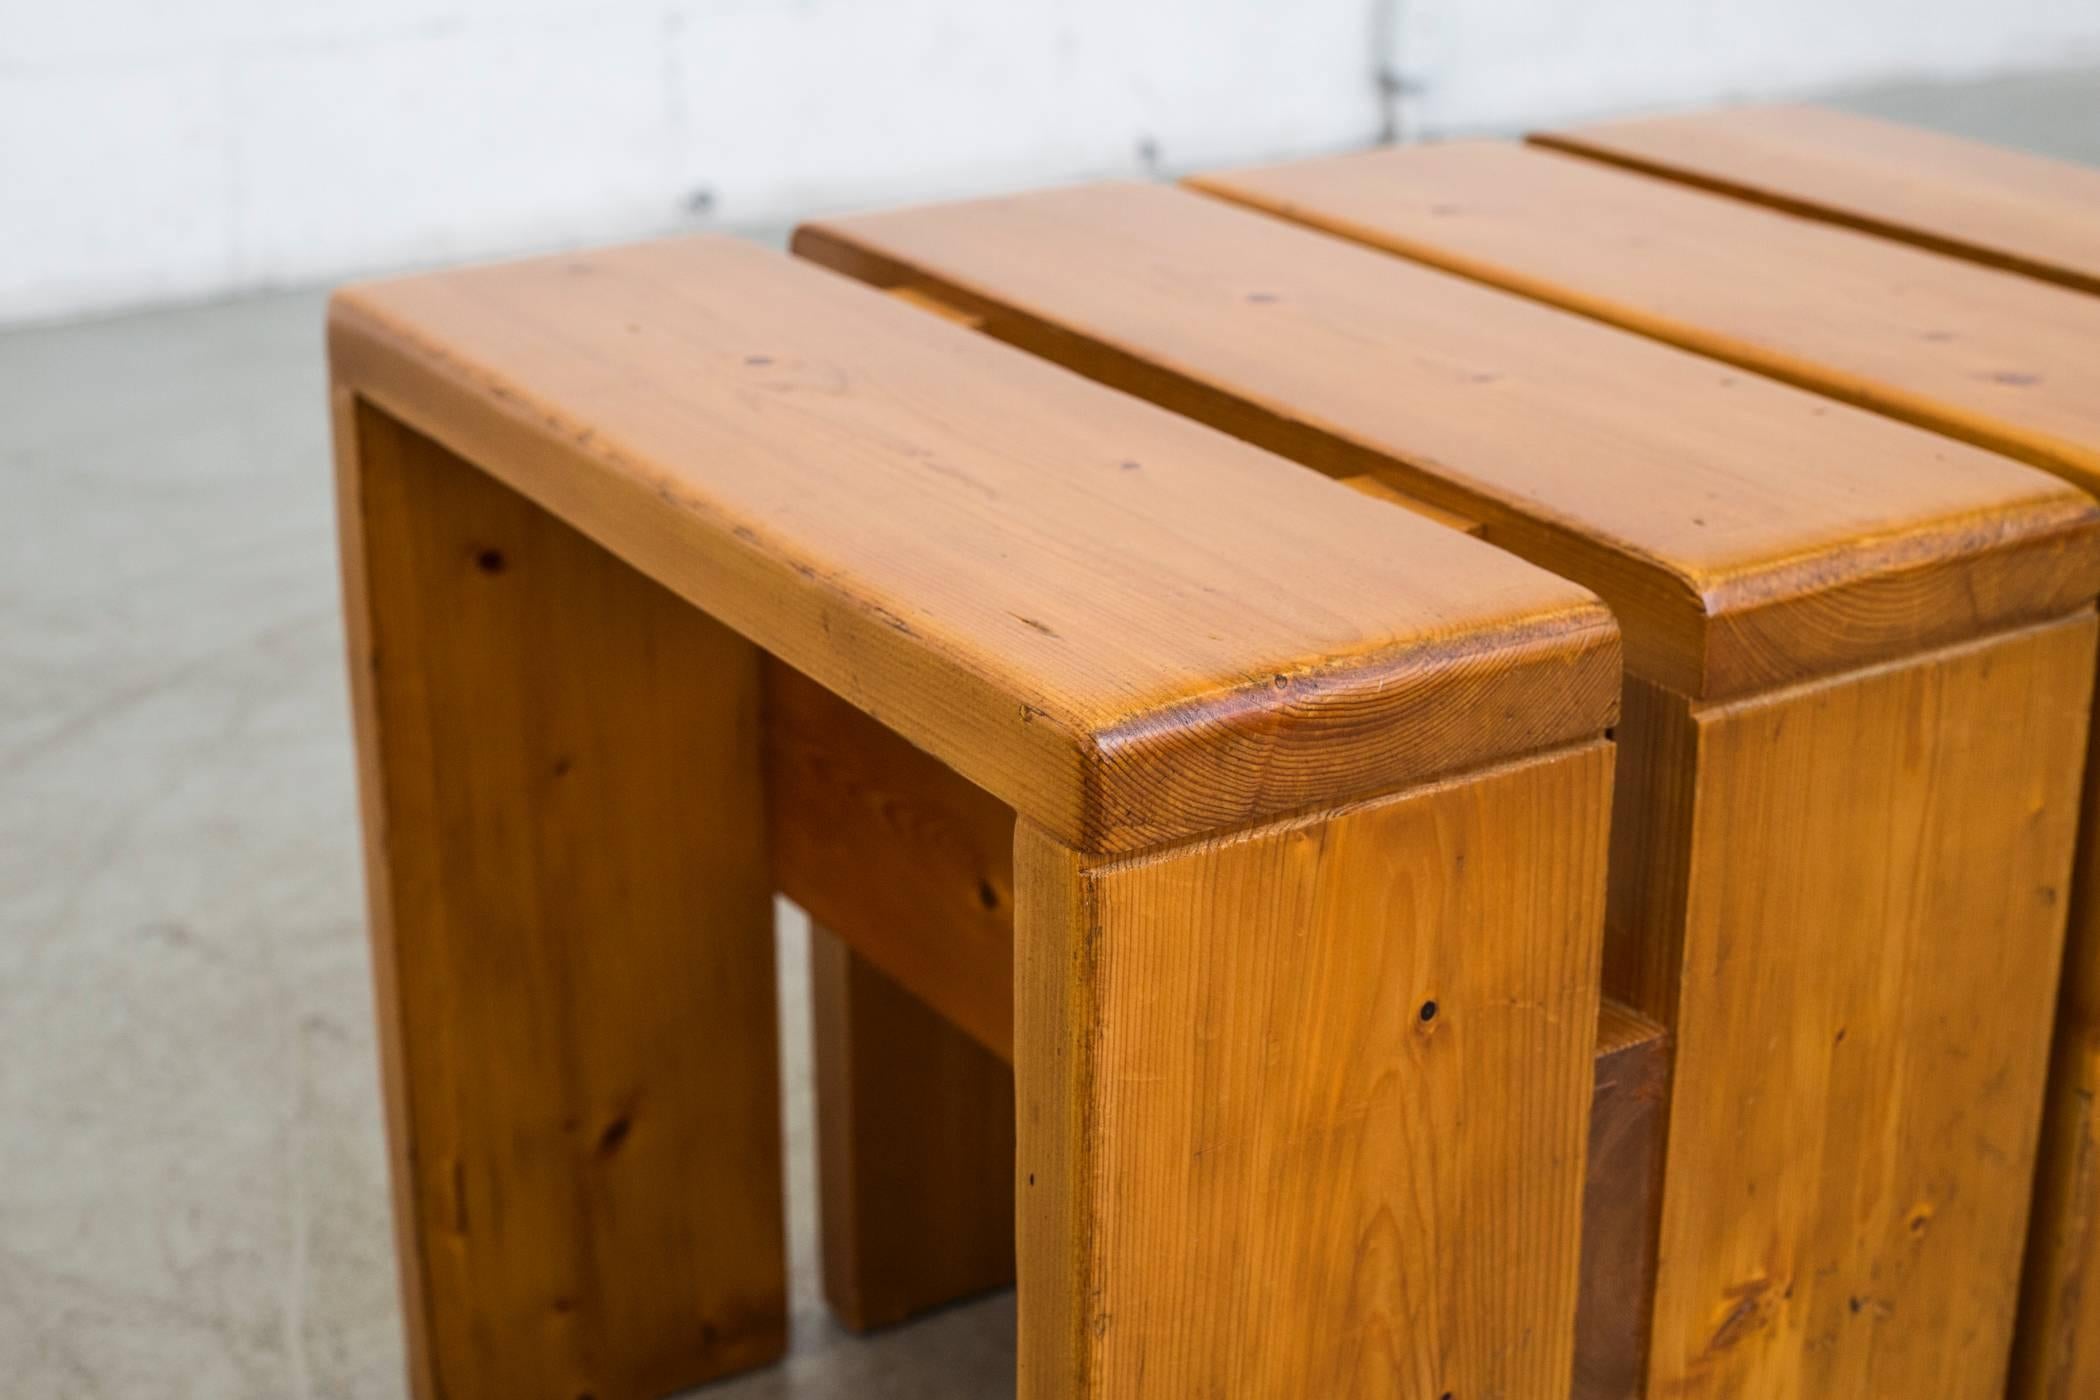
(192, 1195)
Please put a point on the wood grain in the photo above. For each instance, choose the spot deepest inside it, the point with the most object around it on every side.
(915, 1147)
(896, 853)
(1621, 1200)
(1990, 357)
(2029, 215)
(2056, 1352)
(564, 820)
(1128, 627)
(1745, 533)
(920, 862)
(1879, 870)
(1338, 358)
(2005, 208)
(1303, 1109)
(619, 479)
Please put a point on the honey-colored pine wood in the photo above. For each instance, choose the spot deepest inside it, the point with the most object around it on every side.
(1621, 1196)
(895, 852)
(1751, 536)
(1987, 356)
(2029, 215)
(1138, 633)
(915, 1147)
(1127, 627)
(1379, 487)
(921, 864)
(1990, 356)
(2006, 208)
(1302, 1109)
(2016, 211)
(2056, 1355)
(1745, 533)
(1853, 1226)
(564, 816)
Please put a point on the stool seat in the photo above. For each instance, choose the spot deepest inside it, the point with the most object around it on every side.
(1137, 628)
(1990, 357)
(2007, 208)
(1745, 532)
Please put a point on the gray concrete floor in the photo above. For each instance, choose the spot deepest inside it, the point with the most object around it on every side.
(192, 1195)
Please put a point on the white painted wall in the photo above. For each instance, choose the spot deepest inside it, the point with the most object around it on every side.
(1489, 63)
(152, 150)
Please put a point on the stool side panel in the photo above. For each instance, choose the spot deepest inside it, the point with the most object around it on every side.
(2056, 1354)
(559, 764)
(1327, 1088)
(1869, 964)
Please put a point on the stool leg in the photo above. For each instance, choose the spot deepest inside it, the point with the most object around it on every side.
(572, 936)
(1303, 1109)
(915, 1147)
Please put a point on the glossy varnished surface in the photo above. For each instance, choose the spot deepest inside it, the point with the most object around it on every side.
(1993, 357)
(1125, 625)
(1744, 531)
(2006, 208)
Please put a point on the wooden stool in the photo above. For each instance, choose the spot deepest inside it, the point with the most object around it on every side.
(1307, 875)
(2040, 218)
(1998, 358)
(1860, 660)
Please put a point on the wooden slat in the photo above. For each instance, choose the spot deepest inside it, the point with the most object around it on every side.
(1987, 356)
(1302, 1111)
(1745, 533)
(2005, 208)
(1125, 626)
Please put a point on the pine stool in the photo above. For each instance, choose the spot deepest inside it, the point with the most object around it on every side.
(1307, 870)
(1859, 664)
(1991, 337)
(2041, 218)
